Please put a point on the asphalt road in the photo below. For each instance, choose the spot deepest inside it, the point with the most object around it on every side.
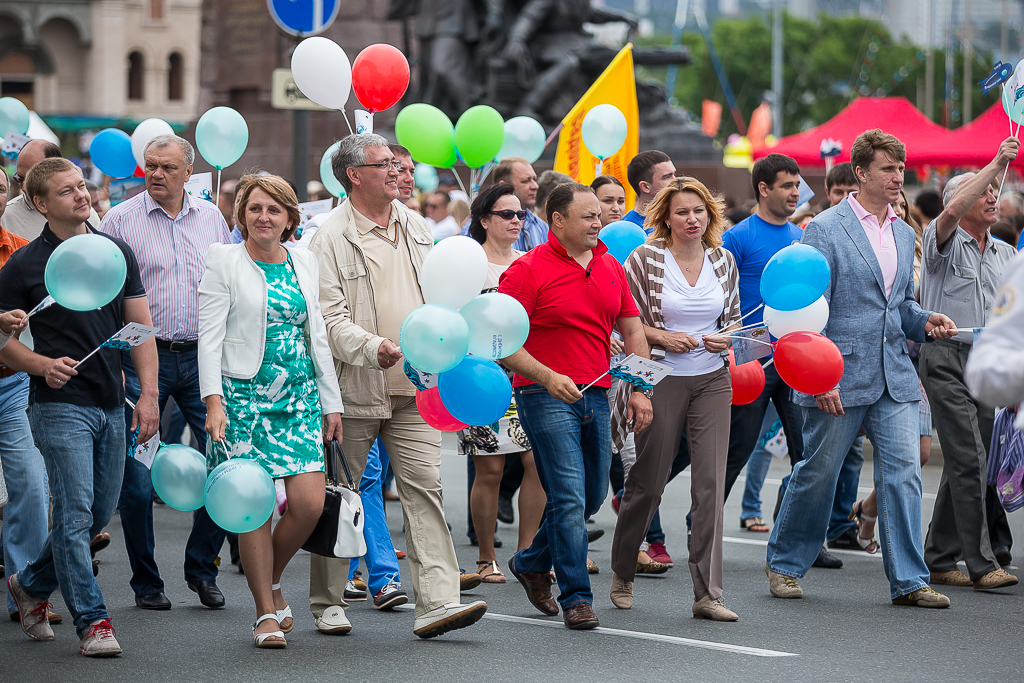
(845, 629)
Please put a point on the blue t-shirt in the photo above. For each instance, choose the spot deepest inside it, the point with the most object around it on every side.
(634, 217)
(1020, 244)
(753, 241)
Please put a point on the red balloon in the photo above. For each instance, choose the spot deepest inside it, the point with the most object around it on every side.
(810, 363)
(747, 380)
(434, 413)
(380, 76)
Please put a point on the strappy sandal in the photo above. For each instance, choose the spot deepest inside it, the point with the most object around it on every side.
(868, 545)
(754, 524)
(262, 640)
(283, 614)
(493, 573)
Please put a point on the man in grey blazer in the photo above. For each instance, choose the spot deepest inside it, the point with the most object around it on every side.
(872, 314)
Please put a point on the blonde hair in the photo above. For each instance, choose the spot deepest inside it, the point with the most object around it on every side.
(918, 230)
(459, 210)
(660, 207)
(278, 189)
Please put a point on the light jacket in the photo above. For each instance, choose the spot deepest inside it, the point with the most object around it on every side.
(233, 321)
(349, 308)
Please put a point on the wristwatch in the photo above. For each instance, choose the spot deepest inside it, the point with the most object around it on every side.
(649, 393)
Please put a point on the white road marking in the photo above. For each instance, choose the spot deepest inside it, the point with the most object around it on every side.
(778, 482)
(764, 544)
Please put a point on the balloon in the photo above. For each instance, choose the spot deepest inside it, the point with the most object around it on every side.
(144, 132)
(479, 135)
(524, 137)
(498, 325)
(179, 476)
(810, 363)
(604, 130)
(327, 176)
(747, 380)
(453, 272)
(811, 318)
(427, 133)
(221, 136)
(85, 272)
(380, 76)
(111, 152)
(425, 177)
(14, 116)
(322, 72)
(476, 391)
(621, 238)
(794, 278)
(240, 495)
(434, 413)
(434, 338)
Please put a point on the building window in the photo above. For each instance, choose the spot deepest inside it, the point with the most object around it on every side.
(136, 76)
(156, 9)
(175, 77)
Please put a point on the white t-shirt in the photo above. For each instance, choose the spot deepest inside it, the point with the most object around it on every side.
(445, 228)
(494, 271)
(694, 310)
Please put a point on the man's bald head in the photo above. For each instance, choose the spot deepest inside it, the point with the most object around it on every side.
(33, 152)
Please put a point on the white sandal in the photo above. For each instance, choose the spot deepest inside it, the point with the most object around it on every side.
(260, 639)
(285, 613)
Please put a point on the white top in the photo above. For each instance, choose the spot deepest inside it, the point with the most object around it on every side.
(694, 310)
(494, 271)
(447, 227)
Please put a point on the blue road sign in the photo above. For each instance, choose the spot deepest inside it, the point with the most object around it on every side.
(303, 17)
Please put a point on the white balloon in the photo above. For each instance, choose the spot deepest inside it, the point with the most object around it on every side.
(811, 318)
(322, 72)
(454, 272)
(144, 132)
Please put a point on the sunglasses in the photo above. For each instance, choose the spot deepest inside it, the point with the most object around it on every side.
(509, 214)
(18, 179)
(384, 165)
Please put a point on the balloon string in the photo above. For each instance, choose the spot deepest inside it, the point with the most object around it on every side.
(768, 363)
(749, 313)
(218, 187)
(459, 180)
(345, 116)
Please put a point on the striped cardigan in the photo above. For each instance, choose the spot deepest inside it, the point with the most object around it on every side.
(645, 273)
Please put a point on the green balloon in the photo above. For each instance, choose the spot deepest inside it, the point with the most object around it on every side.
(428, 134)
(479, 135)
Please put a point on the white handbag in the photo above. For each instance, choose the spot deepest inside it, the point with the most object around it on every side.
(339, 533)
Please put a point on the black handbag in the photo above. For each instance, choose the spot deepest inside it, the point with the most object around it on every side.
(339, 533)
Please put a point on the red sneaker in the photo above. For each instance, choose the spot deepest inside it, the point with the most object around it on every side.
(659, 553)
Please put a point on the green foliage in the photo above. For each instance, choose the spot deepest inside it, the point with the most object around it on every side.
(823, 61)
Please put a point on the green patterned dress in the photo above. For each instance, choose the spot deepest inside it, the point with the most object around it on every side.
(274, 418)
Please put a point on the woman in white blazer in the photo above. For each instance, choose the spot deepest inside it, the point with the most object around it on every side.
(267, 376)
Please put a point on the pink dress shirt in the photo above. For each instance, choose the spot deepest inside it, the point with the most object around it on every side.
(882, 239)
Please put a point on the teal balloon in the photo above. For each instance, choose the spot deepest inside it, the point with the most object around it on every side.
(327, 176)
(240, 495)
(222, 136)
(85, 272)
(425, 177)
(794, 278)
(427, 133)
(524, 137)
(621, 238)
(498, 325)
(111, 152)
(479, 134)
(179, 476)
(434, 338)
(13, 116)
(604, 130)
(1012, 105)
(476, 391)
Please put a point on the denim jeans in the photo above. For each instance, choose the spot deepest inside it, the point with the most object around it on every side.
(757, 468)
(846, 490)
(26, 515)
(572, 447)
(179, 377)
(803, 519)
(380, 558)
(83, 448)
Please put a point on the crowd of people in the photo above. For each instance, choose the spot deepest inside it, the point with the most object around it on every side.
(273, 346)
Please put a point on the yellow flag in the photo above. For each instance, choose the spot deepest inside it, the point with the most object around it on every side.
(616, 86)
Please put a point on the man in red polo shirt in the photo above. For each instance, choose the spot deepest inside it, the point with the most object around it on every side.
(575, 293)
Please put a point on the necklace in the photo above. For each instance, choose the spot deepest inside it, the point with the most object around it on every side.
(681, 261)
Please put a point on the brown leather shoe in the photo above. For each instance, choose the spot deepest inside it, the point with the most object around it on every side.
(538, 588)
(581, 617)
(954, 577)
(998, 578)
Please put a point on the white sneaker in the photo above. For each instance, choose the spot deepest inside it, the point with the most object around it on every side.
(99, 640)
(32, 611)
(333, 621)
(448, 618)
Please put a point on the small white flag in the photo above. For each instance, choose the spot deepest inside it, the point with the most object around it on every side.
(128, 337)
(421, 380)
(640, 372)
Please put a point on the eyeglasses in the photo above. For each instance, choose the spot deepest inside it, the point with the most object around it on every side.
(384, 165)
(509, 214)
(18, 179)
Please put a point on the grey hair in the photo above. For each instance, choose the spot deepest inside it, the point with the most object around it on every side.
(953, 185)
(161, 141)
(351, 153)
(1015, 197)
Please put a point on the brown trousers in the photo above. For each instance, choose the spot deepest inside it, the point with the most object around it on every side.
(700, 407)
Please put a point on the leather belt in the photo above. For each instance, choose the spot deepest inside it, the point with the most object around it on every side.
(177, 346)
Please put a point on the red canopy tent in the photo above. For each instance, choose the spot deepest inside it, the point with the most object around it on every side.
(976, 143)
(927, 143)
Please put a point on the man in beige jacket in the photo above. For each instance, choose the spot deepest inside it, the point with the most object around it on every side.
(371, 251)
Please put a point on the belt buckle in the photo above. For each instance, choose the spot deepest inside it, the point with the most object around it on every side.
(175, 346)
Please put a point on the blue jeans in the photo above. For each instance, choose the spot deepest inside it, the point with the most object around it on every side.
(380, 558)
(572, 446)
(26, 515)
(846, 490)
(803, 519)
(757, 468)
(83, 449)
(179, 377)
